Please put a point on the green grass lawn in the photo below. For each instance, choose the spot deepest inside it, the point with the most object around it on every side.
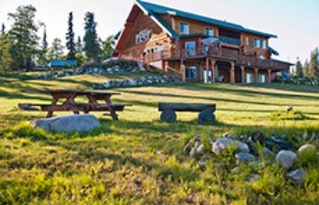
(140, 160)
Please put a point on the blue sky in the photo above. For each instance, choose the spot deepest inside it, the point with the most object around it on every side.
(295, 22)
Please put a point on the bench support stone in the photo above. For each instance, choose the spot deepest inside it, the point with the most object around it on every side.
(206, 117)
(168, 115)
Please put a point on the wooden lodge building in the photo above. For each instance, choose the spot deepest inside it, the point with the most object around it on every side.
(198, 48)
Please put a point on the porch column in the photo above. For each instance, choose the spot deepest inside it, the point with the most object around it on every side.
(232, 72)
(206, 69)
(183, 72)
(214, 70)
(269, 75)
(242, 74)
(256, 75)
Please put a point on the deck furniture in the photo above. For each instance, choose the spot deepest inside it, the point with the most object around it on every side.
(69, 104)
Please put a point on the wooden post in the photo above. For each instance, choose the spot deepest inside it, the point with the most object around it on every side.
(269, 75)
(242, 74)
(256, 75)
(206, 69)
(214, 70)
(232, 72)
(183, 72)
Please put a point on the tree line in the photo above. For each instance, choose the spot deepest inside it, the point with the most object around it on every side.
(308, 69)
(21, 48)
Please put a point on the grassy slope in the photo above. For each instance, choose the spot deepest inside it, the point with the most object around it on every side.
(140, 160)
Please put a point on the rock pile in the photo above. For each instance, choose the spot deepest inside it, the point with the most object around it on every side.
(143, 81)
(257, 149)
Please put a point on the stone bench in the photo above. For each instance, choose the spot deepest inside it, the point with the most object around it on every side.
(206, 111)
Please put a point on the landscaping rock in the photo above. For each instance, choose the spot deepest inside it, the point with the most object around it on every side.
(242, 157)
(168, 115)
(286, 159)
(266, 154)
(224, 143)
(206, 116)
(252, 178)
(307, 153)
(297, 176)
(71, 123)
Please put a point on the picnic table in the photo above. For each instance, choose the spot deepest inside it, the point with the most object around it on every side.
(69, 103)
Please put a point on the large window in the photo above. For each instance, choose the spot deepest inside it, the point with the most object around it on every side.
(183, 28)
(190, 48)
(261, 78)
(143, 36)
(190, 73)
(263, 44)
(209, 32)
(249, 78)
(256, 42)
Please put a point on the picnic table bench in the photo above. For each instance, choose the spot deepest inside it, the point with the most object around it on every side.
(69, 103)
(206, 111)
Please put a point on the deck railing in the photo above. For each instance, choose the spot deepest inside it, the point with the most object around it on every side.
(216, 52)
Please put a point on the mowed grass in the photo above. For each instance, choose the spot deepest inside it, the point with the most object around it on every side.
(140, 160)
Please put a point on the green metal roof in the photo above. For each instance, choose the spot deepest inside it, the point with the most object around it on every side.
(153, 9)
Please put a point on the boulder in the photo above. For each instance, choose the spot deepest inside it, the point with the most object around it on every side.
(224, 143)
(206, 116)
(307, 153)
(242, 157)
(298, 176)
(71, 123)
(168, 115)
(286, 158)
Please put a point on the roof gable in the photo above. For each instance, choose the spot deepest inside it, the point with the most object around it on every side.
(153, 9)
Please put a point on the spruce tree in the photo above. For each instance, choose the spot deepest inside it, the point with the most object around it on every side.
(23, 35)
(56, 50)
(92, 47)
(314, 67)
(299, 69)
(78, 45)
(44, 49)
(306, 68)
(70, 45)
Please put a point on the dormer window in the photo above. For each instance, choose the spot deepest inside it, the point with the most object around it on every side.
(183, 28)
(263, 44)
(209, 32)
(256, 43)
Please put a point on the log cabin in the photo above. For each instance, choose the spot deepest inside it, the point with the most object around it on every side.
(195, 47)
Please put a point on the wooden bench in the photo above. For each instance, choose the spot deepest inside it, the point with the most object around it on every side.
(206, 111)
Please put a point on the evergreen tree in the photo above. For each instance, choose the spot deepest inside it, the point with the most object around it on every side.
(23, 35)
(306, 68)
(108, 46)
(78, 45)
(91, 44)
(56, 50)
(44, 49)
(70, 45)
(314, 67)
(3, 29)
(299, 69)
(6, 61)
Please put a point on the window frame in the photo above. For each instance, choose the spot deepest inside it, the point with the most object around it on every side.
(182, 26)
(190, 73)
(207, 33)
(193, 49)
(257, 43)
(263, 43)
